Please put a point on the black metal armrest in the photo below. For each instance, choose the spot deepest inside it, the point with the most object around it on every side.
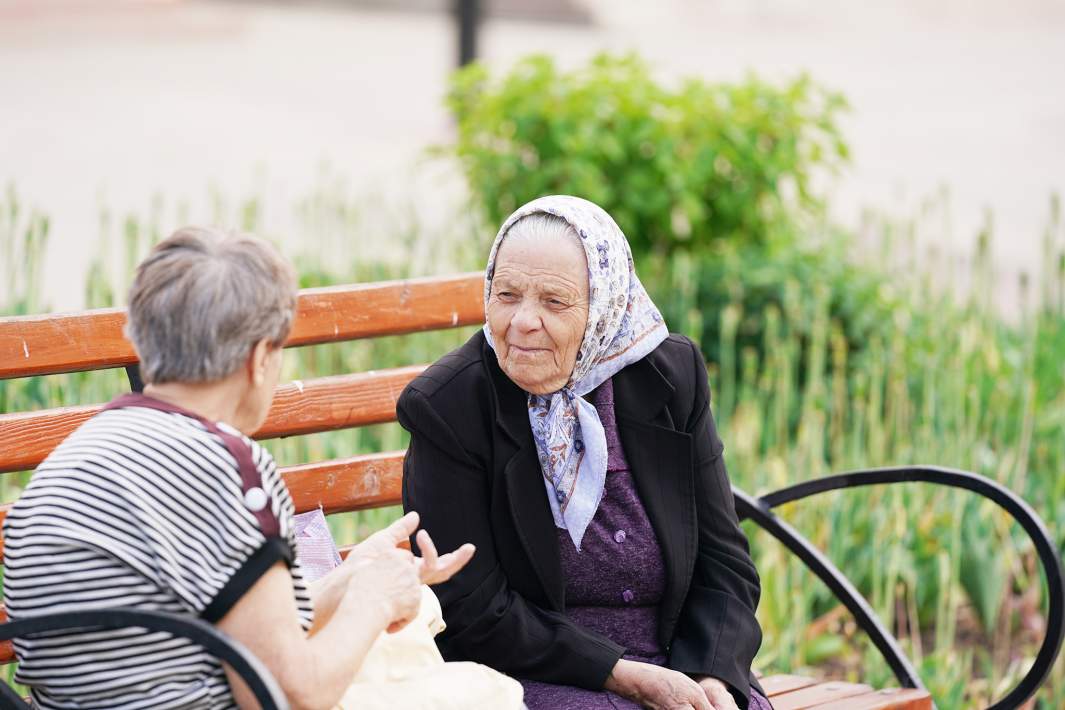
(759, 510)
(229, 651)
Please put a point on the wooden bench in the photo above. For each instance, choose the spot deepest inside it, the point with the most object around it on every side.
(93, 340)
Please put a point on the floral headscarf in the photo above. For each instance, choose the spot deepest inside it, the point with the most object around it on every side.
(623, 327)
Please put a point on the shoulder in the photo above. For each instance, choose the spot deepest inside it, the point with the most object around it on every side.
(676, 347)
(680, 361)
(679, 369)
(131, 439)
(143, 456)
(118, 470)
(451, 385)
(452, 402)
(458, 369)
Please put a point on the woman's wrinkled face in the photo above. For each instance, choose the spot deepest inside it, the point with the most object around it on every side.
(537, 310)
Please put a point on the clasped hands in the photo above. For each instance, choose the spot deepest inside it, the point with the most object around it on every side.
(661, 688)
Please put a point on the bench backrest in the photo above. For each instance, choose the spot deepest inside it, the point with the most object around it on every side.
(93, 340)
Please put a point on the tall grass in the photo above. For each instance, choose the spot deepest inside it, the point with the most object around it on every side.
(950, 383)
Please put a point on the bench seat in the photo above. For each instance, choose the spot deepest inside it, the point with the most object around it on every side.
(792, 692)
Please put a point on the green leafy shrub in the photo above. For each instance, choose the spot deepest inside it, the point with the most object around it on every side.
(694, 290)
(675, 167)
(713, 184)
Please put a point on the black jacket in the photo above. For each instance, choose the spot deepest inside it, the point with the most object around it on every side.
(472, 473)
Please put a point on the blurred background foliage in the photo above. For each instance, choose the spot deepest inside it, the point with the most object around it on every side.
(679, 169)
(829, 348)
(719, 187)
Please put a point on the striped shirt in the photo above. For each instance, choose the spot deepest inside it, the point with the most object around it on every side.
(141, 509)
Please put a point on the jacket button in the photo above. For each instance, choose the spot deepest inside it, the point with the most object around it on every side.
(628, 596)
(619, 536)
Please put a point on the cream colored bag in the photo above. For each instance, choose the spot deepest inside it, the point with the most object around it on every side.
(405, 670)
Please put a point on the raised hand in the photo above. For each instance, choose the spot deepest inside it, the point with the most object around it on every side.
(434, 568)
(385, 540)
(390, 582)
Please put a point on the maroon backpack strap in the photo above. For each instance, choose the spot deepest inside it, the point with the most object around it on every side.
(256, 499)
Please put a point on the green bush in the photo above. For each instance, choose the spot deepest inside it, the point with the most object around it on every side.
(676, 168)
(694, 291)
(712, 183)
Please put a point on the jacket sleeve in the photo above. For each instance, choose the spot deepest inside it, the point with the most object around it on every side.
(717, 633)
(487, 622)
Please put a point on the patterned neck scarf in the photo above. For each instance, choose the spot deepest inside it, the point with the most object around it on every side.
(623, 327)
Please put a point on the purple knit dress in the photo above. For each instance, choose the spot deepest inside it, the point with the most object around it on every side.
(615, 584)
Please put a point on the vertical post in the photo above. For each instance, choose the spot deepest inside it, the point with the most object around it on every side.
(136, 384)
(468, 15)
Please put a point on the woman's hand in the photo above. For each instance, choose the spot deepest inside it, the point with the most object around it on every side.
(390, 583)
(433, 568)
(657, 688)
(717, 693)
(385, 540)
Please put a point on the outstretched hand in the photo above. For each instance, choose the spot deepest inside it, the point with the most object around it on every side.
(432, 567)
(386, 539)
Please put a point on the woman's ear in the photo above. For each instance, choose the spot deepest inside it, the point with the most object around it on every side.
(257, 362)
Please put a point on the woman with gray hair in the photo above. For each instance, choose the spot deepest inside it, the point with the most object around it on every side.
(162, 502)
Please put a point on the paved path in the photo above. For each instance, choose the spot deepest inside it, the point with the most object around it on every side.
(106, 101)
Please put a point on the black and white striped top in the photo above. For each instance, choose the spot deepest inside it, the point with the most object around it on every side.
(143, 509)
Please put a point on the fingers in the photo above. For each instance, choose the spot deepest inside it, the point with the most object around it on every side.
(447, 565)
(428, 549)
(698, 702)
(717, 694)
(721, 699)
(406, 612)
(407, 595)
(385, 540)
(403, 528)
(397, 626)
(434, 568)
(389, 580)
(701, 702)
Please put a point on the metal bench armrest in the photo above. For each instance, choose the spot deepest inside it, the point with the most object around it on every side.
(759, 510)
(228, 650)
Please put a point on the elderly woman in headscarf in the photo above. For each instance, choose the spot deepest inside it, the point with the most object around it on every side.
(572, 441)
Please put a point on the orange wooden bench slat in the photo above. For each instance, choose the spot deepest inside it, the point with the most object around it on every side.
(321, 404)
(327, 315)
(887, 699)
(817, 695)
(792, 692)
(41, 345)
(93, 340)
(337, 402)
(27, 437)
(341, 485)
(369, 481)
(778, 684)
